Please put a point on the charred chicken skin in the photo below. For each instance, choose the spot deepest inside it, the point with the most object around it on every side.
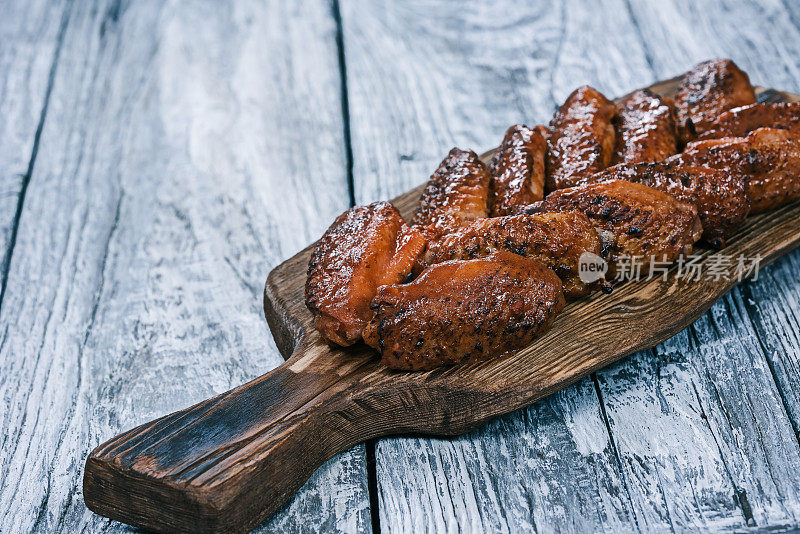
(555, 240)
(582, 138)
(646, 129)
(719, 196)
(464, 310)
(618, 188)
(518, 170)
(739, 122)
(708, 90)
(456, 193)
(637, 220)
(770, 159)
(365, 247)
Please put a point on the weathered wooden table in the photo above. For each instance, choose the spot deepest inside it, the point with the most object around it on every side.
(158, 159)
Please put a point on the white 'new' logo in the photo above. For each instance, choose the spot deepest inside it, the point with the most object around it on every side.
(591, 267)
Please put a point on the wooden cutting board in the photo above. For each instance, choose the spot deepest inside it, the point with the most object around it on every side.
(226, 464)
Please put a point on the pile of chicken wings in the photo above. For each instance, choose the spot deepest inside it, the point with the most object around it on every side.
(492, 253)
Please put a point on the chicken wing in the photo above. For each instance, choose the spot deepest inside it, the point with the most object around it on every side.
(582, 138)
(770, 159)
(464, 310)
(637, 220)
(719, 196)
(544, 131)
(517, 170)
(557, 240)
(739, 122)
(646, 131)
(456, 193)
(708, 90)
(365, 247)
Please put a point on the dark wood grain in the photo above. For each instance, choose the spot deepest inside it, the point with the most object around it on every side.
(627, 448)
(226, 463)
(155, 208)
(457, 74)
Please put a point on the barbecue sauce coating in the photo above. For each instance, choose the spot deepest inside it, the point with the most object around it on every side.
(456, 193)
(365, 247)
(739, 122)
(517, 170)
(708, 90)
(770, 159)
(582, 138)
(555, 240)
(719, 196)
(463, 310)
(637, 220)
(646, 130)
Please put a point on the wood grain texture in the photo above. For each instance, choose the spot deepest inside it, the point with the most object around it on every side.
(157, 205)
(30, 40)
(490, 67)
(753, 446)
(516, 66)
(224, 464)
(459, 74)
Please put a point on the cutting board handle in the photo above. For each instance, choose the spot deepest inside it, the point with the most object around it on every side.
(233, 459)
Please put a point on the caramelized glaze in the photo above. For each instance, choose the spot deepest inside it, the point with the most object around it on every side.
(582, 138)
(556, 240)
(637, 220)
(517, 170)
(464, 310)
(719, 196)
(739, 122)
(708, 90)
(365, 247)
(456, 193)
(646, 131)
(770, 159)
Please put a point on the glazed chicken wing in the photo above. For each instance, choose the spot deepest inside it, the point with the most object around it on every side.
(582, 138)
(646, 129)
(517, 170)
(456, 193)
(708, 90)
(556, 240)
(739, 122)
(464, 310)
(544, 131)
(637, 220)
(365, 247)
(769, 158)
(719, 196)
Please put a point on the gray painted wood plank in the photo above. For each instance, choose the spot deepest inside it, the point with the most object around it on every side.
(770, 302)
(683, 447)
(423, 77)
(547, 467)
(30, 35)
(773, 304)
(187, 150)
(734, 390)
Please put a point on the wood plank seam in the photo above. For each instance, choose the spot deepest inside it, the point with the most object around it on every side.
(372, 475)
(5, 266)
(6, 263)
(746, 292)
(678, 45)
(614, 451)
(348, 146)
(128, 56)
(740, 494)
